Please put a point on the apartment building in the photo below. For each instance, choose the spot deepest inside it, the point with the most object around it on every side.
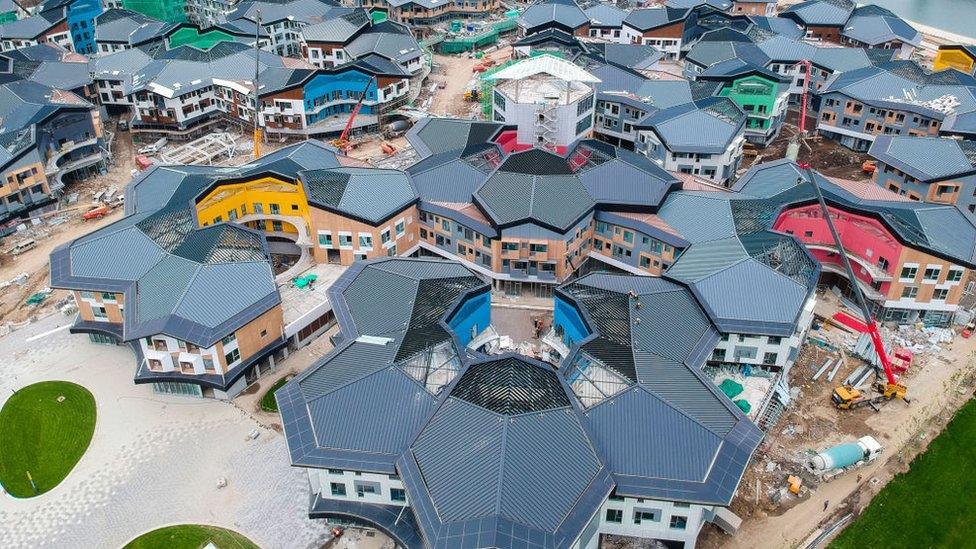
(763, 95)
(352, 36)
(661, 27)
(563, 15)
(702, 138)
(930, 169)
(425, 13)
(184, 91)
(283, 20)
(897, 98)
(910, 258)
(606, 22)
(49, 136)
(43, 27)
(872, 26)
(196, 298)
(116, 28)
(821, 19)
(765, 8)
(441, 396)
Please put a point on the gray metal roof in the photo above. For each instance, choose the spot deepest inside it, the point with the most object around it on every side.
(704, 126)
(387, 39)
(341, 25)
(821, 12)
(32, 27)
(605, 15)
(368, 194)
(117, 25)
(562, 12)
(651, 18)
(941, 230)
(193, 283)
(927, 159)
(874, 26)
(654, 335)
(302, 11)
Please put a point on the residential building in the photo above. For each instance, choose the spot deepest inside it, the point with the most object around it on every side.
(762, 95)
(283, 20)
(953, 56)
(897, 98)
(661, 27)
(43, 27)
(930, 169)
(114, 29)
(425, 13)
(702, 138)
(181, 92)
(765, 8)
(821, 19)
(563, 15)
(387, 463)
(606, 21)
(910, 257)
(872, 26)
(352, 36)
(196, 298)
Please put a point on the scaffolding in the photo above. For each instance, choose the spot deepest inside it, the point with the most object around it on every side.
(202, 151)
(170, 11)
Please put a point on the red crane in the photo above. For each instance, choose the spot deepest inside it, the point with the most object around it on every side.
(850, 397)
(342, 143)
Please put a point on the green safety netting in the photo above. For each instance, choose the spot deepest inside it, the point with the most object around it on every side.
(730, 388)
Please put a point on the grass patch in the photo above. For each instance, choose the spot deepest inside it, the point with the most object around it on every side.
(268, 402)
(44, 436)
(933, 504)
(190, 536)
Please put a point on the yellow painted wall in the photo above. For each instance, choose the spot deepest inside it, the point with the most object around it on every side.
(290, 198)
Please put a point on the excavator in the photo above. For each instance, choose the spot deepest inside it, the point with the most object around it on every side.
(342, 143)
(847, 397)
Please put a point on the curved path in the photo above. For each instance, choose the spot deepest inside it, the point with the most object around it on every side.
(154, 460)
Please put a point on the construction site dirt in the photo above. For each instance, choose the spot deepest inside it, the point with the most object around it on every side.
(456, 74)
(939, 383)
(828, 157)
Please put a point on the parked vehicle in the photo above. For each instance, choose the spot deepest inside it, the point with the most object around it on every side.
(22, 247)
(95, 213)
(154, 147)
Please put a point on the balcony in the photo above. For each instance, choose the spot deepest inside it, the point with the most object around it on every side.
(876, 273)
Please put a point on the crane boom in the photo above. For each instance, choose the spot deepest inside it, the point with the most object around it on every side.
(859, 296)
(355, 110)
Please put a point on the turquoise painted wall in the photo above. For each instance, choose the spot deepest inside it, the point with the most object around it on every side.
(327, 88)
(568, 322)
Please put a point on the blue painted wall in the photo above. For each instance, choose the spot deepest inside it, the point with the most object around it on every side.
(348, 84)
(81, 16)
(472, 317)
(569, 322)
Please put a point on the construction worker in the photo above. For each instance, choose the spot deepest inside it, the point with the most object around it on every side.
(826, 503)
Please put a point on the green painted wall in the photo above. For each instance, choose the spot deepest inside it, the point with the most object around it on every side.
(757, 96)
(171, 11)
(193, 37)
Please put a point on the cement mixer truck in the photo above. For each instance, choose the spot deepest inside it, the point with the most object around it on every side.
(839, 459)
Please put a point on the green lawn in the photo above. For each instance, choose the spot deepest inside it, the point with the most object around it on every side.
(933, 504)
(190, 536)
(268, 402)
(42, 436)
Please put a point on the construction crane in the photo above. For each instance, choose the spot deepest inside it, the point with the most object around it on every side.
(847, 397)
(342, 143)
(257, 87)
(793, 148)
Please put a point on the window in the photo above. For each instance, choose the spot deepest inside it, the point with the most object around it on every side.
(649, 515)
(940, 293)
(398, 494)
(227, 340)
(446, 225)
(384, 236)
(615, 515)
(628, 237)
(99, 312)
(538, 248)
(954, 275)
(770, 358)
(510, 246)
(932, 273)
(208, 364)
(325, 240)
(363, 488)
(679, 522)
(345, 241)
(909, 292)
(275, 209)
(909, 273)
(335, 471)
(399, 228)
(338, 488)
(774, 340)
(233, 356)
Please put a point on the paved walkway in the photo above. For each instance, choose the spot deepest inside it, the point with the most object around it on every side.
(153, 461)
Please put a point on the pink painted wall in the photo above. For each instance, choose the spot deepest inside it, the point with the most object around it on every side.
(863, 237)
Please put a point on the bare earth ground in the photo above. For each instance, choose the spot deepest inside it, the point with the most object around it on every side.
(455, 72)
(938, 385)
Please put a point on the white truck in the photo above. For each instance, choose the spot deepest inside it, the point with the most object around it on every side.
(154, 147)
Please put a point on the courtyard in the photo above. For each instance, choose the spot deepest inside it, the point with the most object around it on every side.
(145, 467)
